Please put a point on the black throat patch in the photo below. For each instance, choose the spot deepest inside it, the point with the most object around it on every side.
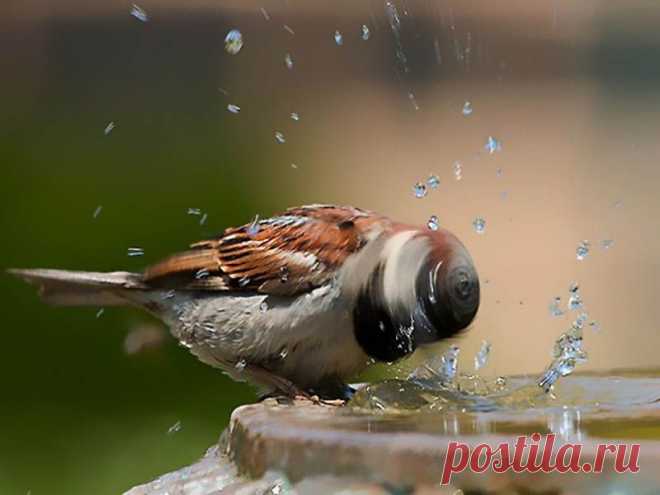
(381, 335)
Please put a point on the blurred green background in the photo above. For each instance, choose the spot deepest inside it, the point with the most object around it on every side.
(570, 88)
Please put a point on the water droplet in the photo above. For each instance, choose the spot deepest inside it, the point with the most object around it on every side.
(293, 165)
(433, 181)
(479, 225)
(265, 14)
(433, 223)
(467, 108)
(253, 228)
(412, 99)
(339, 39)
(243, 281)
(582, 250)
(139, 13)
(574, 301)
(458, 170)
(284, 274)
(233, 42)
(279, 137)
(449, 362)
(289, 30)
(263, 307)
(284, 353)
(395, 24)
(554, 308)
(492, 145)
(108, 128)
(100, 312)
(202, 220)
(606, 243)
(97, 211)
(295, 116)
(288, 61)
(233, 108)
(194, 211)
(202, 273)
(366, 33)
(135, 251)
(481, 359)
(240, 365)
(174, 428)
(420, 190)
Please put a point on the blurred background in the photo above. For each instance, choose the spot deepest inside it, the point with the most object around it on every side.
(113, 126)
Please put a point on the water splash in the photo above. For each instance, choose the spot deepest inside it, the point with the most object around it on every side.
(567, 354)
(554, 307)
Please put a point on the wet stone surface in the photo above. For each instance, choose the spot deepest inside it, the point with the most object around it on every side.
(390, 441)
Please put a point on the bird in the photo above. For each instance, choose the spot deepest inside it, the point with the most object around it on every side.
(297, 303)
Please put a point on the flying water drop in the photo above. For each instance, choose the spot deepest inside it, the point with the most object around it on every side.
(419, 189)
(481, 359)
(233, 42)
(339, 39)
(479, 225)
(433, 223)
(139, 13)
(365, 32)
(582, 250)
(458, 170)
(492, 145)
(135, 251)
(288, 61)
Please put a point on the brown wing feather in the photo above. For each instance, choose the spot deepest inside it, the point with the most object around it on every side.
(286, 254)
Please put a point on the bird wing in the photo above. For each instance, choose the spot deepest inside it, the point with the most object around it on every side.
(287, 254)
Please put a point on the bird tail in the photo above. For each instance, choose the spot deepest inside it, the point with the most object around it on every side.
(76, 288)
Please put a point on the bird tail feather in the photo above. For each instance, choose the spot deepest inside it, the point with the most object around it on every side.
(78, 288)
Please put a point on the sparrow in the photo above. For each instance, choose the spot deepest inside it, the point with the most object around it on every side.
(298, 302)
